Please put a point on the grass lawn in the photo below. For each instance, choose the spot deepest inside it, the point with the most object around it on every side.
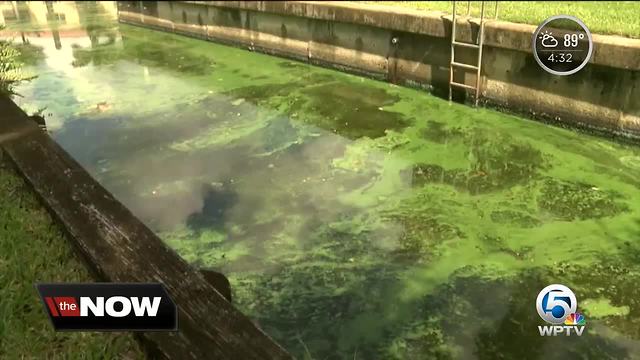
(33, 249)
(601, 17)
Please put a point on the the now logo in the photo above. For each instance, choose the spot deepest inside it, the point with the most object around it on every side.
(109, 306)
(116, 306)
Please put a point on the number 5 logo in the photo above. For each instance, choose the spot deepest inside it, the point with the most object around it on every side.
(555, 303)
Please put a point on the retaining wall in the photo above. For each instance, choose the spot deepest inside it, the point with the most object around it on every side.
(604, 95)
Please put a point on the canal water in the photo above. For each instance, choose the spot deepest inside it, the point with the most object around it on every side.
(355, 219)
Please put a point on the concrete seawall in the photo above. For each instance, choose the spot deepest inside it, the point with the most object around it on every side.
(604, 96)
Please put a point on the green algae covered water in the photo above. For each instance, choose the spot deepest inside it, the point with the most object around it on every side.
(355, 219)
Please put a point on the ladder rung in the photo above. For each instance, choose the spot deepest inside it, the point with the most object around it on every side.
(463, 86)
(466, 66)
(464, 44)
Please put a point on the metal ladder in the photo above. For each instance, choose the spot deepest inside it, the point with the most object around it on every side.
(477, 45)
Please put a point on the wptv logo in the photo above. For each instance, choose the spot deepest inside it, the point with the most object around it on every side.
(109, 306)
(557, 305)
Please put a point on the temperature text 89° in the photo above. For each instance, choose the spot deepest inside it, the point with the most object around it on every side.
(571, 40)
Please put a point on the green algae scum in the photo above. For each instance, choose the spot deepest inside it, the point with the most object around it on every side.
(355, 219)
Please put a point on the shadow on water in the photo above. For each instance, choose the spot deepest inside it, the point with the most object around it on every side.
(217, 200)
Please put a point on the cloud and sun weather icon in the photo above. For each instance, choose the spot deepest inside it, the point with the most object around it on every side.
(557, 305)
(547, 40)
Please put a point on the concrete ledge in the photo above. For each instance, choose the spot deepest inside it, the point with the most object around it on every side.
(614, 51)
(357, 38)
(118, 247)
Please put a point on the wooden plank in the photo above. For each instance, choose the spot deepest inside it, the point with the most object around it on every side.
(118, 247)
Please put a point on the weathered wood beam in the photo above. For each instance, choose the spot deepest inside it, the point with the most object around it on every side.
(118, 247)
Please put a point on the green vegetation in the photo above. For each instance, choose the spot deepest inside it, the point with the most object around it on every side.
(33, 249)
(601, 17)
(11, 64)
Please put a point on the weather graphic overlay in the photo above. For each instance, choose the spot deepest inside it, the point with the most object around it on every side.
(562, 45)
